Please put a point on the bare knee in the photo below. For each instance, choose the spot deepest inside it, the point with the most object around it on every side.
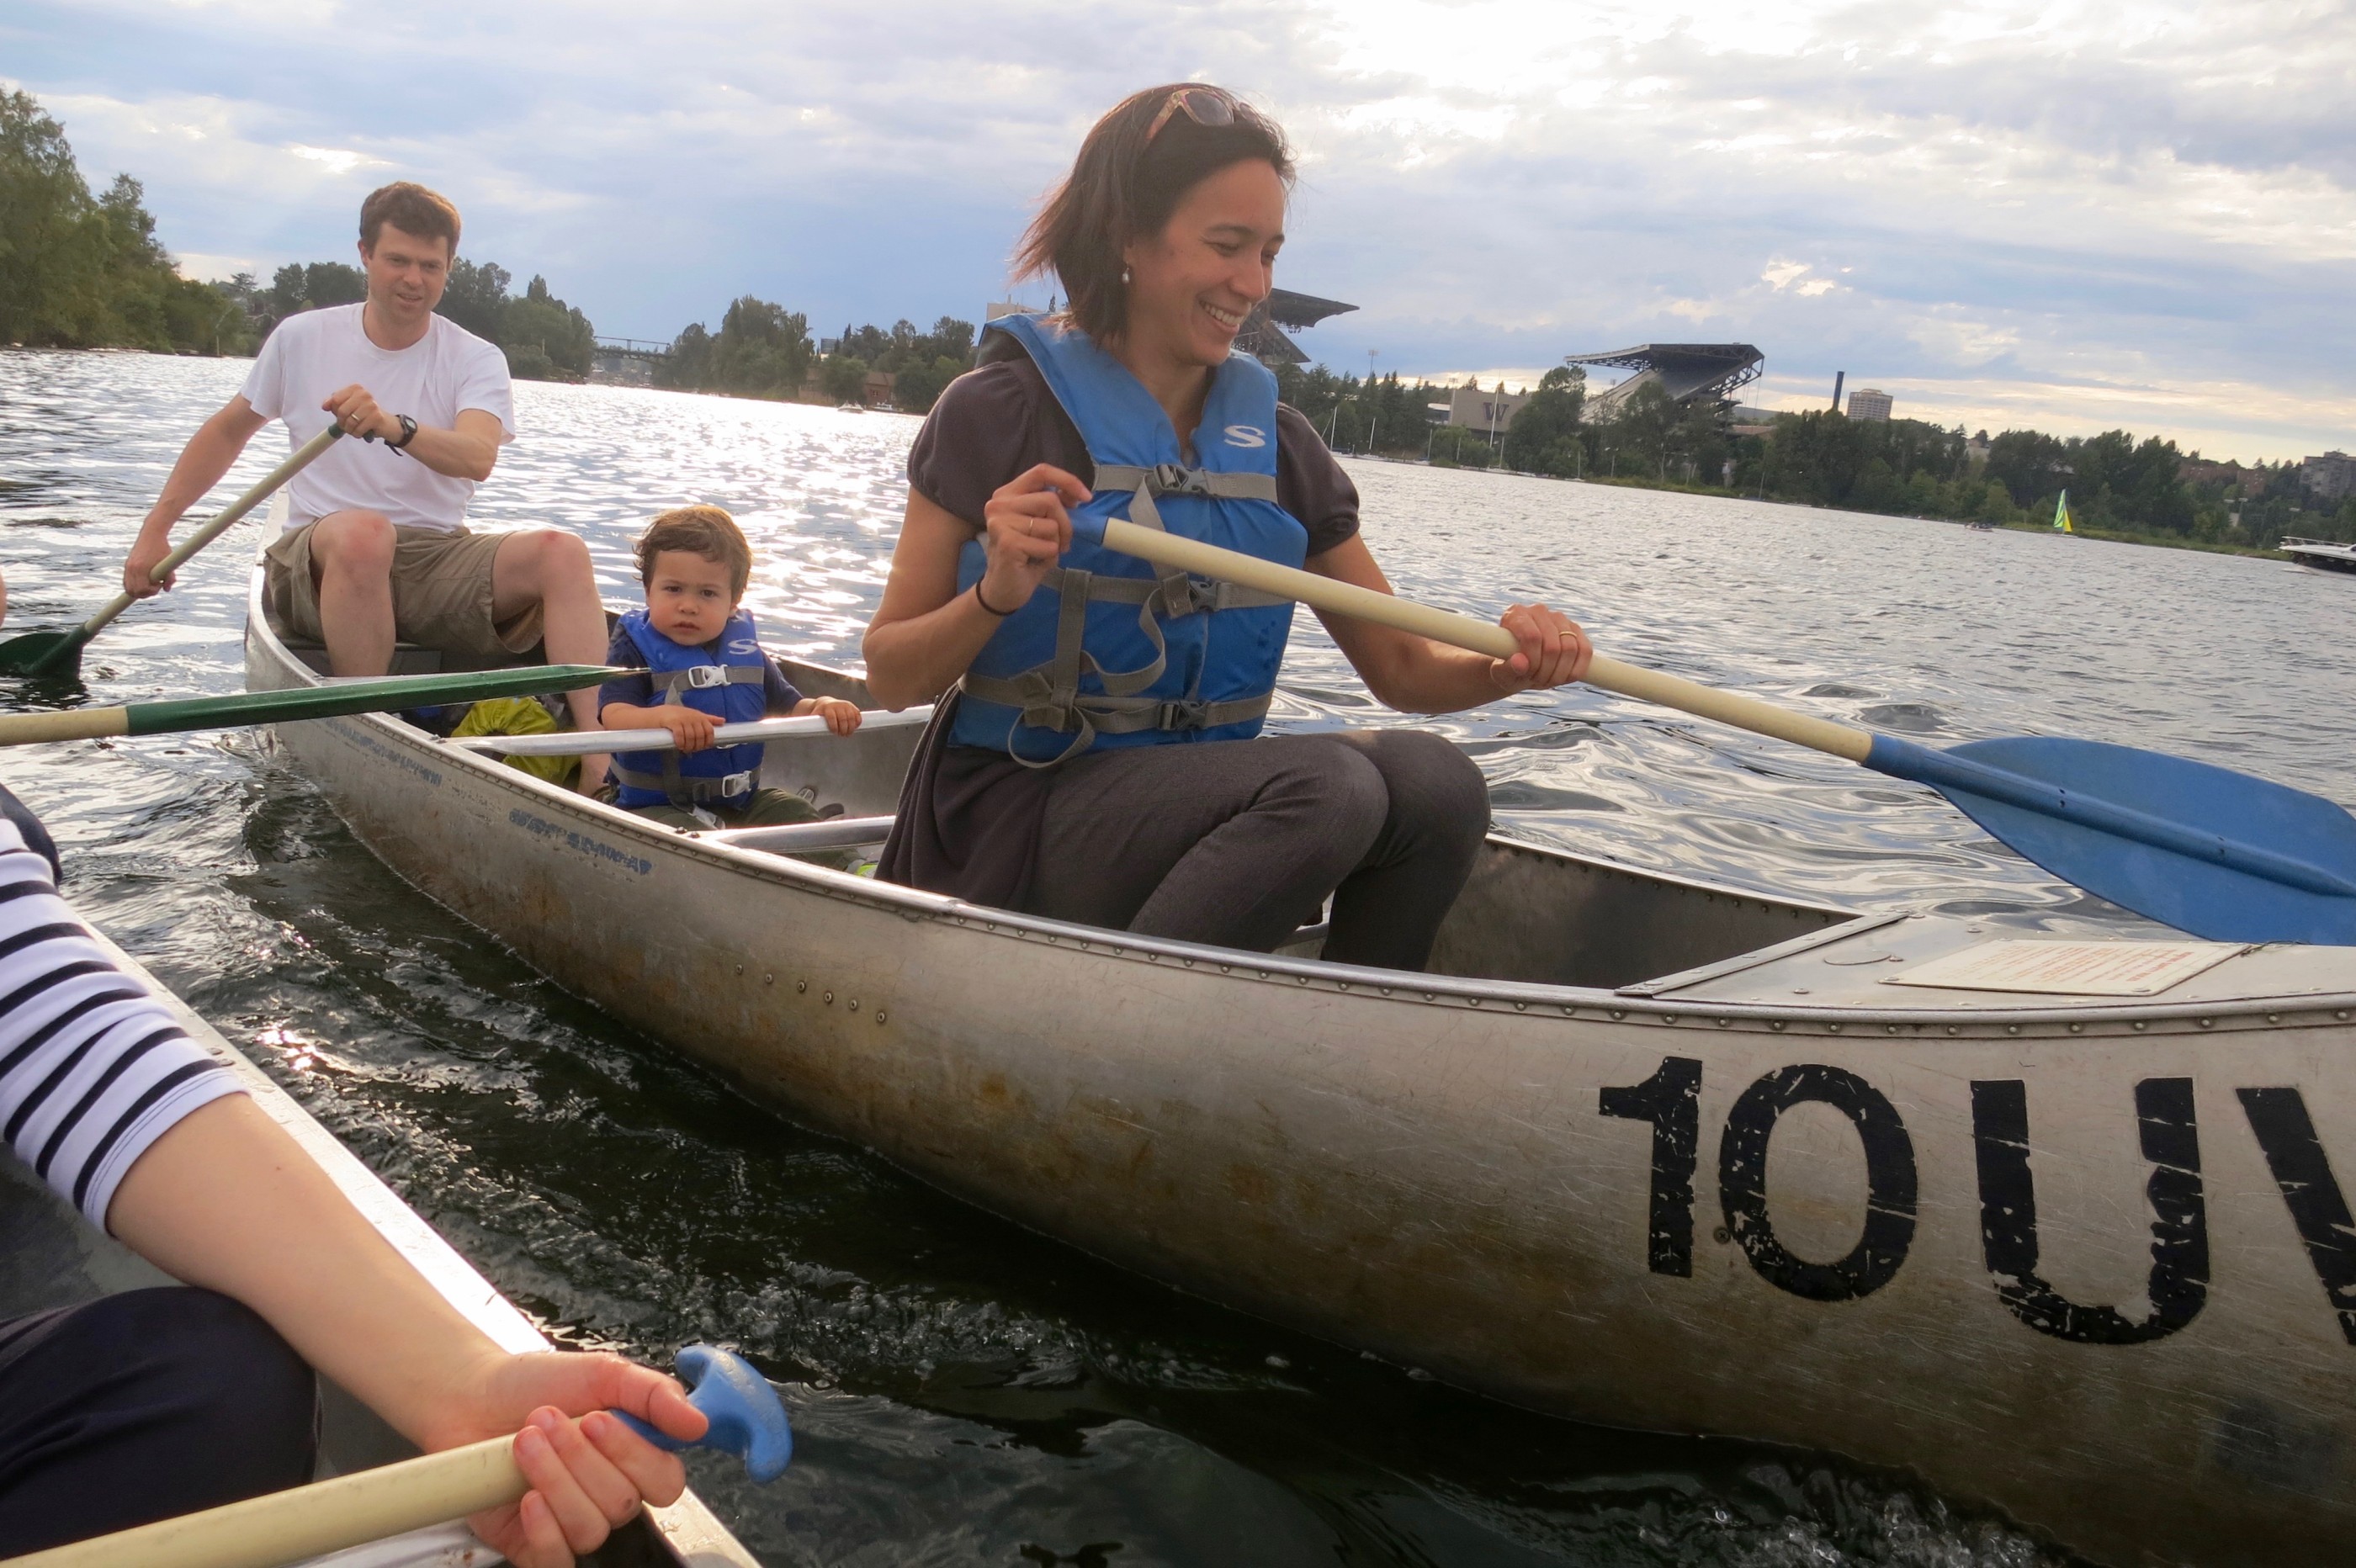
(357, 543)
(546, 558)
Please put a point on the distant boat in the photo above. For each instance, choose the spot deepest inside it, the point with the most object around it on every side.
(2061, 515)
(2324, 555)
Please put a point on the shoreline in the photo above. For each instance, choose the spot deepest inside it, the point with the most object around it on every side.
(2106, 535)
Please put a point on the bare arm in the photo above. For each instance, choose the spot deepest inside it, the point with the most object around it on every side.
(925, 631)
(202, 463)
(227, 1200)
(469, 450)
(1416, 675)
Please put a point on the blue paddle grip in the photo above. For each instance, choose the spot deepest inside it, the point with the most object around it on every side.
(748, 1418)
(1943, 771)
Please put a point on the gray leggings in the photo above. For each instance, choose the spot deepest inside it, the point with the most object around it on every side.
(1237, 843)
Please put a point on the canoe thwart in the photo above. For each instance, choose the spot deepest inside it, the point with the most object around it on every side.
(576, 743)
(802, 838)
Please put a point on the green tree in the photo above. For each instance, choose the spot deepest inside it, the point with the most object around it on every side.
(81, 272)
(475, 297)
(545, 338)
(763, 350)
(842, 378)
(1548, 420)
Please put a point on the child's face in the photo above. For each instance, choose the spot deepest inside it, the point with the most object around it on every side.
(689, 599)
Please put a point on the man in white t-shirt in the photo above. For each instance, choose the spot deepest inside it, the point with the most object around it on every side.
(376, 545)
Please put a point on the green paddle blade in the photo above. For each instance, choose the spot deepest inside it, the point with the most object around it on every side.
(41, 653)
(374, 696)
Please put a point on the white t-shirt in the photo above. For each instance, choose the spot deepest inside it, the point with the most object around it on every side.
(321, 352)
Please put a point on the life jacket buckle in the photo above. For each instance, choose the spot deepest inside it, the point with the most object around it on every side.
(704, 676)
(734, 785)
(1171, 479)
(1187, 715)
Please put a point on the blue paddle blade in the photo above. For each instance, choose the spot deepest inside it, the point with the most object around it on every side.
(748, 1418)
(2210, 851)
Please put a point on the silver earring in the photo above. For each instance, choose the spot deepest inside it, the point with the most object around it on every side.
(1124, 277)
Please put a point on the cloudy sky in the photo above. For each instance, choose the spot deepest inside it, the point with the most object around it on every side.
(2065, 215)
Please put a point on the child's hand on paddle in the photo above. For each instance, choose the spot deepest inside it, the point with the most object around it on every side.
(1030, 527)
(841, 717)
(690, 729)
(589, 1473)
(1554, 651)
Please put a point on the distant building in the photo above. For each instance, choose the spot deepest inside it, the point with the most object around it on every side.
(1976, 451)
(2330, 477)
(2231, 478)
(997, 309)
(1475, 407)
(1869, 404)
(1688, 372)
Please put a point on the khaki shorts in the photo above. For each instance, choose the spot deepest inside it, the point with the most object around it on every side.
(441, 593)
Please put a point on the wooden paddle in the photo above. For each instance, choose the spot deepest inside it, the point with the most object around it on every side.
(59, 652)
(365, 696)
(2208, 850)
(747, 1421)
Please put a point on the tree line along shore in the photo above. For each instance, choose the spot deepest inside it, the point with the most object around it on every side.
(84, 271)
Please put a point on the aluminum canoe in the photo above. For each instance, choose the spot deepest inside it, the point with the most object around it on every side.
(51, 1257)
(1642, 1150)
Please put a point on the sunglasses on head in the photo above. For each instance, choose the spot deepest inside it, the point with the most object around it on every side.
(1203, 105)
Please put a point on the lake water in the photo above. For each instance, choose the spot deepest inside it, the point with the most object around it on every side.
(966, 1392)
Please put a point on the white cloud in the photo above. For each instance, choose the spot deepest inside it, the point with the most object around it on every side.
(2069, 200)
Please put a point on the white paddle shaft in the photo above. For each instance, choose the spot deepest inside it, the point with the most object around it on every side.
(279, 1528)
(228, 517)
(580, 743)
(1482, 637)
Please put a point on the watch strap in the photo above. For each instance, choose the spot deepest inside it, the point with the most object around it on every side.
(408, 433)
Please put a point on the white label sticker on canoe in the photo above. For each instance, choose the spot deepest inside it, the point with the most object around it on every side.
(2069, 968)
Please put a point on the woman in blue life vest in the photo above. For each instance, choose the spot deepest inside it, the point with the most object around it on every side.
(1094, 759)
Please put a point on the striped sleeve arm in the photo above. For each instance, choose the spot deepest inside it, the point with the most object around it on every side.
(93, 1069)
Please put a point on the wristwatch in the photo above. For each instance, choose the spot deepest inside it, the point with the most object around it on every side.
(408, 433)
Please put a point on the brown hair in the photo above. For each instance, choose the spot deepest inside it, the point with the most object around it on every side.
(413, 209)
(707, 531)
(1123, 187)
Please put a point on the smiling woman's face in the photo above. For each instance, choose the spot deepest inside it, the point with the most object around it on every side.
(1191, 285)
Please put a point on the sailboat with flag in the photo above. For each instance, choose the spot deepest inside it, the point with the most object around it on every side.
(2061, 515)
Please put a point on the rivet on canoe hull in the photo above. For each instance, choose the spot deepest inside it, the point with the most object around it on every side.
(1889, 1029)
(1726, 1023)
(740, 969)
(2077, 1029)
(854, 1004)
(1618, 1013)
(768, 979)
(1833, 1027)
(829, 998)
(879, 1015)
(1518, 1007)
(2340, 1013)
(1472, 1001)
(2208, 1023)
(1668, 1018)
(2274, 1018)
(2140, 1026)
(1775, 1024)
(1954, 1028)
(2012, 1028)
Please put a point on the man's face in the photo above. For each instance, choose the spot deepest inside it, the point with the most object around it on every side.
(406, 273)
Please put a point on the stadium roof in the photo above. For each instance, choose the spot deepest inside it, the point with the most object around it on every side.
(1684, 370)
(1260, 337)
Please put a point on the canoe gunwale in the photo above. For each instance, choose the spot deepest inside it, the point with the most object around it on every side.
(1646, 1000)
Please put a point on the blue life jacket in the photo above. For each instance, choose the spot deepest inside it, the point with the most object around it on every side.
(1115, 651)
(727, 677)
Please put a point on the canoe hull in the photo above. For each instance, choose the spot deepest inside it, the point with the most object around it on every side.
(1562, 1196)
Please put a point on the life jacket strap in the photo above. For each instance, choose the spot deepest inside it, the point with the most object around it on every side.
(683, 791)
(1171, 479)
(703, 677)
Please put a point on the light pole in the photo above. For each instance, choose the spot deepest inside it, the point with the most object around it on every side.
(1371, 406)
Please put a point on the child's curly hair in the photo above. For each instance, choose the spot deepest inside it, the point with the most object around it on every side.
(707, 531)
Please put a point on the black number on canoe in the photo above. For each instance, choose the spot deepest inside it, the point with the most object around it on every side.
(2318, 1207)
(1671, 1100)
(1889, 1176)
(2179, 1233)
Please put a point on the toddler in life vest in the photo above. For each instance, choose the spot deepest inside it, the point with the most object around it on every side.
(702, 665)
